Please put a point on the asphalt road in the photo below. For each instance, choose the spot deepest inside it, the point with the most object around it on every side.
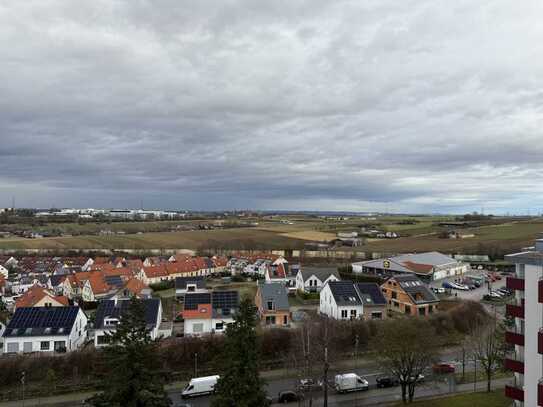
(431, 386)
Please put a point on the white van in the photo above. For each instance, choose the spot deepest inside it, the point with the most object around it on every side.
(350, 382)
(200, 386)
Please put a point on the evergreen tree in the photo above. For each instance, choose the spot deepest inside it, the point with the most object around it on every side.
(241, 385)
(132, 364)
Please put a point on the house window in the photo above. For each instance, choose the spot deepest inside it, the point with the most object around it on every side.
(344, 313)
(60, 346)
(191, 288)
(198, 328)
(13, 347)
(270, 306)
(353, 314)
(27, 347)
(422, 311)
(219, 326)
(430, 309)
(376, 315)
(407, 309)
(396, 304)
(270, 320)
(102, 339)
(285, 320)
(44, 345)
(394, 294)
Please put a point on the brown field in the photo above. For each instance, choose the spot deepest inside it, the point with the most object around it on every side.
(227, 239)
(310, 235)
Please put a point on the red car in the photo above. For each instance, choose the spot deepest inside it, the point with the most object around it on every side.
(442, 368)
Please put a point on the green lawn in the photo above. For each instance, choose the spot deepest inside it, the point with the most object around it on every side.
(493, 399)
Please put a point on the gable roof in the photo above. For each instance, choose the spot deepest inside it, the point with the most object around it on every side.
(39, 321)
(370, 294)
(277, 292)
(56, 279)
(115, 309)
(35, 294)
(322, 273)
(344, 293)
(415, 289)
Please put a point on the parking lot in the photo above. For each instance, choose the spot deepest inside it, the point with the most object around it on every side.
(475, 294)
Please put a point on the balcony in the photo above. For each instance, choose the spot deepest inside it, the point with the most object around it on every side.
(514, 338)
(515, 363)
(514, 310)
(540, 393)
(514, 392)
(515, 283)
(540, 291)
(540, 341)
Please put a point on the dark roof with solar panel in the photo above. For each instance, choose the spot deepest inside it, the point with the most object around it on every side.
(344, 292)
(415, 289)
(42, 321)
(224, 303)
(370, 294)
(114, 281)
(115, 309)
(192, 300)
(181, 282)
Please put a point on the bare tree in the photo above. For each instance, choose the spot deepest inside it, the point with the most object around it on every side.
(488, 347)
(406, 347)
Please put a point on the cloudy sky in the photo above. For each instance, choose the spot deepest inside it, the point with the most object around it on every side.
(419, 106)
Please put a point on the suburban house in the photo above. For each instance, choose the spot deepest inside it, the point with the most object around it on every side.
(373, 300)
(312, 279)
(272, 303)
(4, 271)
(185, 285)
(133, 287)
(340, 300)
(109, 314)
(55, 283)
(45, 329)
(210, 312)
(427, 266)
(38, 296)
(409, 295)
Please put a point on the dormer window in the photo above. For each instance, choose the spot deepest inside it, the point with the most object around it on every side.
(271, 306)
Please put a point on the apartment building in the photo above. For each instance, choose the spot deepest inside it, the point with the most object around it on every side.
(527, 335)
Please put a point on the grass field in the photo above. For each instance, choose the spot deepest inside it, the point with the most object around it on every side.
(492, 399)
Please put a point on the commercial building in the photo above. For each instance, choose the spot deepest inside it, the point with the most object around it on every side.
(427, 266)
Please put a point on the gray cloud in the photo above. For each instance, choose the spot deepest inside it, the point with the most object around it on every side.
(407, 106)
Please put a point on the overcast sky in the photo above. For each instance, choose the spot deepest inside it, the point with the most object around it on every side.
(414, 106)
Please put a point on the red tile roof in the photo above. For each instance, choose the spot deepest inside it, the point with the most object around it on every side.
(35, 294)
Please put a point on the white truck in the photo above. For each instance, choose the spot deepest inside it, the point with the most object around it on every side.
(200, 386)
(350, 382)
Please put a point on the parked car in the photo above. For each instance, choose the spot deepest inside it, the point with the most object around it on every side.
(505, 291)
(309, 384)
(446, 284)
(200, 386)
(386, 381)
(289, 396)
(350, 382)
(458, 286)
(438, 290)
(495, 294)
(442, 368)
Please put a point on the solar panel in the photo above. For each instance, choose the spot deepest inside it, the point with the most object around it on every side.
(40, 320)
(225, 299)
(115, 281)
(192, 300)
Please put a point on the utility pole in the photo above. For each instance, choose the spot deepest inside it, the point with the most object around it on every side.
(325, 382)
(23, 380)
(356, 366)
(196, 364)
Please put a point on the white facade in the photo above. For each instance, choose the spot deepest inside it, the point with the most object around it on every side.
(71, 341)
(313, 283)
(110, 323)
(4, 271)
(329, 307)
(202, 326)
